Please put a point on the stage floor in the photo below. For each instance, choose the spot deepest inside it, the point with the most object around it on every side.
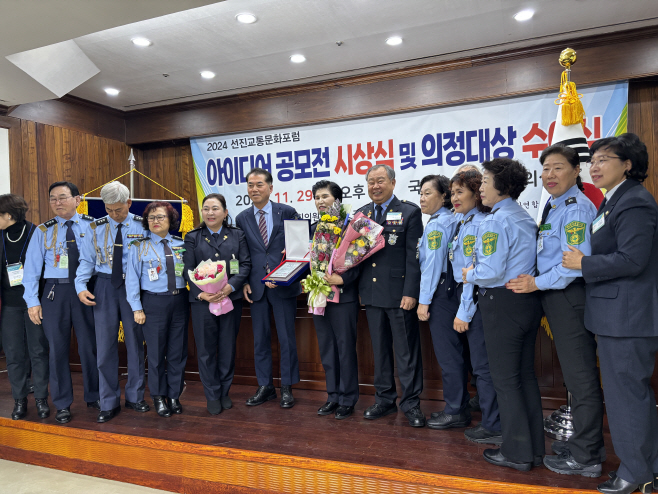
(299, 432)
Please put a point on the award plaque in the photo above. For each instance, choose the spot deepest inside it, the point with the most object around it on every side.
(298, 254)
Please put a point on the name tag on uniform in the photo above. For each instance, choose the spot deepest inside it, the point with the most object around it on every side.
(64, 262)
(178, 268)
(540, 244)
(394, 218)
(598, 223)
(234, 266)
(15, 273)
(153, 274)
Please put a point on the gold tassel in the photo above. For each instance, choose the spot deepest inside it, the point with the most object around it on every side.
(544, 325)
(572, 108)
(122, 336)
(83, 207)
(187, 220)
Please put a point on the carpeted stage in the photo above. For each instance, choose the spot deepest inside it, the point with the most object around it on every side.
(268, 449)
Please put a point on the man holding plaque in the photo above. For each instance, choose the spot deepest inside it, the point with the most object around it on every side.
(263, 227)
(389, 287)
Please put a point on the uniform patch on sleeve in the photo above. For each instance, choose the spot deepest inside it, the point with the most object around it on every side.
(575, 232)
(489, 243)
(434, 239)
(468, 244)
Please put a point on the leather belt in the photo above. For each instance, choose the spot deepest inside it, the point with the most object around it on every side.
(59, 281)
(108, 275)
(175, 292)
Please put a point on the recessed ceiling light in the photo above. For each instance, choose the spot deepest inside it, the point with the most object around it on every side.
(206, 74)
(524, 15)
(111, 91)
(141, 42)
(298, 58)
(394, 41)
(246, 18)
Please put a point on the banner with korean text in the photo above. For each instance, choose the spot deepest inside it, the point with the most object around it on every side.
(415, 144)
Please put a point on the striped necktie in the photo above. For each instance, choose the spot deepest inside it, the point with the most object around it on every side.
(262, 226)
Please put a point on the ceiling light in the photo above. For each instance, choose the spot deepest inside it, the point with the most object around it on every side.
(246, 18)
(394, 41)
(206, 74)
(298, 58)
(111, 91)
(141, 42)
(524, 15)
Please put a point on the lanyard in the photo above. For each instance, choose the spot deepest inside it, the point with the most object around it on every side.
(4, 246)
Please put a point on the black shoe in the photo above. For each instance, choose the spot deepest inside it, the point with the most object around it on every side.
(287, 400)
(263, 394)
(214, 407)
(20, 409)
(94, 404)
(415, 417)
(559, 447)
(161, 406)
(43, 409)
(226, 402)
(617, 485)
(175, 406)
(495, 457)
(474, 404)
(107, 415)
(566, 464)
(613, 473)
(328, 408)
(446, 421)
(378, 411)
(480, 435)
(342, 412)
(140, 406)
(63, 416)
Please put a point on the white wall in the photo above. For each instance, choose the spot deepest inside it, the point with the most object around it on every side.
(4, 161)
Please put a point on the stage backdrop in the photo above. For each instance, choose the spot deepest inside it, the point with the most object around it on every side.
(414, 144)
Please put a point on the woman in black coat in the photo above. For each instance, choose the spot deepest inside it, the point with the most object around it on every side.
(216, 240)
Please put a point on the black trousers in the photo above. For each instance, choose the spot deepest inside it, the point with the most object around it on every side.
(215, 344)
(576, 349)
(396, 329)
(336, 331)
(167, 317)
(24, 342)
(627, 365)
(511, 322)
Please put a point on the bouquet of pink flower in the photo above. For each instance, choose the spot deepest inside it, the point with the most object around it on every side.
(210, 277)
(363, 237)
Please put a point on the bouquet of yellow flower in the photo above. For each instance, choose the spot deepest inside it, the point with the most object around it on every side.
(363, 237)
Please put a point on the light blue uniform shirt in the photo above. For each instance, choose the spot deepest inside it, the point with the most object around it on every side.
(462, 249)
(39, 254)
(567, 224)
(141, 259)
(433, 252)
(94, 252)
(506, 246)
(269, 222)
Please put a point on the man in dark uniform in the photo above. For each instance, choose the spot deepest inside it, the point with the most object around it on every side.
(389, 288)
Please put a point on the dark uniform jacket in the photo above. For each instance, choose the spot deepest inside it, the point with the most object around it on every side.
(4, 280)
(200, 245)
(394, 271)
(622, 272)
(349, 290)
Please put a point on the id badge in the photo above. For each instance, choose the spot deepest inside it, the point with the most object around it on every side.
(153, 274)
(598, 223)
(178, 268)
(64, 262)
(540, 244)
(15, 273)
(234, 266)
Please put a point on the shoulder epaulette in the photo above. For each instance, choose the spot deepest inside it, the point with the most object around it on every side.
(43, 227)
(176, 237)
(494, 211)
(571, 200)
(470, 218)
(197, 229)
(87, 217)
(137, 217)
(100, 222)
(404, 201)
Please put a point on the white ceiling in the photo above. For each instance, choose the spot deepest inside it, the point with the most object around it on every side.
(252, 57)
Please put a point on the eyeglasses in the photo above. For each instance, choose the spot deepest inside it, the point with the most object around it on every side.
(603, 160)
(60, 199)
(160, 217)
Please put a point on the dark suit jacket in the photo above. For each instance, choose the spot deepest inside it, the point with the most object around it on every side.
(349, 290)
(29, 227)
(261, 256)
(622, 272)
(200, 246)
(394, 271)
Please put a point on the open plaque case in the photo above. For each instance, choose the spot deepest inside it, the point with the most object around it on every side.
(298, 255)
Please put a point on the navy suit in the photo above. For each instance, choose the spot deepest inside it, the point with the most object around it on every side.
(215, 335)
(622, 310)
(282, 300)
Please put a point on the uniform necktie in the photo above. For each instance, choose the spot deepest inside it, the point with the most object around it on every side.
(378, 215)
(547, 209)
(171, 273)
(603, 203)
(262, 226)
(216, 237)
(72, 250)
(117, 259)
(450, 276)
